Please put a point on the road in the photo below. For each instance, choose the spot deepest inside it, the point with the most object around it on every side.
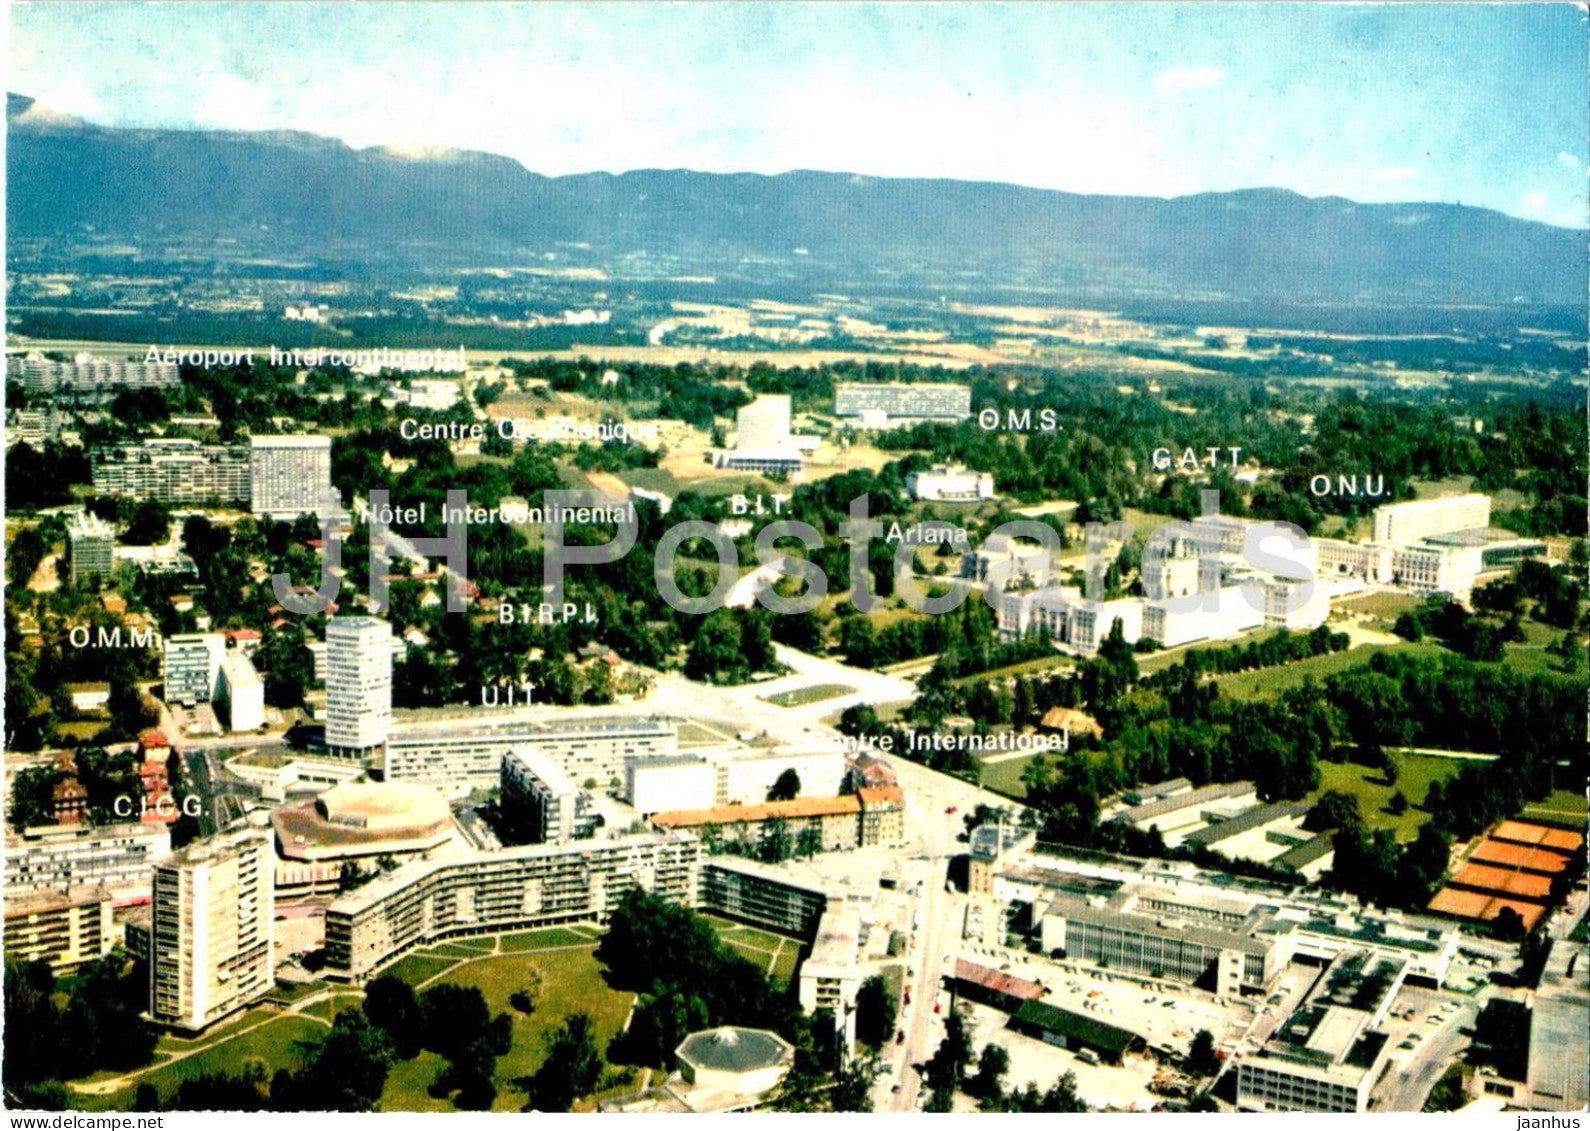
(1407, 1089)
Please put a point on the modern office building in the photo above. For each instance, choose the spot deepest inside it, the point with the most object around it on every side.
(1121, 936)
(91, 545)
(832, 973)
(1327, 1055)
(291, 476)
(892, 405)
(944, 484)
(191, 667)
(358, 684)
(482, 893)
(659, 785)
(241, 692)
(458, 757)
(1403, 524)
(211, 944)
(745, 777)
(763, 896)
(65, 929)
(173, 471)
(763, 440)
(539, 804)
(62, 857)
(88, 377)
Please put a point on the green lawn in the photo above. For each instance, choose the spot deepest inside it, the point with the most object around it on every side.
(571, 981)
(526, 941)
(1005, 777)
(1267, 683)
(801, 696)
(276, 1043)
(777, 954)
(1368, 785)
(415, 968)
(1559, 806)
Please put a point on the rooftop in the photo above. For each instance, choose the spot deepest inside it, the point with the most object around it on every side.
(1201, 796)
(1246, 821)
(996, 981)
(1088, 1030)
(784, 810)
(733, 1049)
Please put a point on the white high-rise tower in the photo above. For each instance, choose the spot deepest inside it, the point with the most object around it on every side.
(290, 476)
(358, 683)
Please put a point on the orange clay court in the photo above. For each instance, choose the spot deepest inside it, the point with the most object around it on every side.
(1500, 881)
(1538, 836)
(1501, 854)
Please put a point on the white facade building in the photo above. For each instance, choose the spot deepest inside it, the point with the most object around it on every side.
(943, 484)
(290, 476)
(659, 785)
(242, 692)
(744, 778)
(211, 944)
(191, 667)
(831, 974)
(1402, 524)
(358, 682)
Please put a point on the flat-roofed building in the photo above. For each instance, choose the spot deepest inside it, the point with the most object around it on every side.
(823, 824)
(65, 929)
(832, 973)
(897, 404)
(172, 471)
(1329, 1053)
(656, 785)
(1225, 961)
(1074, 622)
(539, 804)
(458, 756)
(358, 684)
(88, 377)
(488, 892)
(946, 484)
(1559, 1058)
(91, 545)
(763, 896)
(291, 476)
(211, 942)
(1402, 524)
(192, 666)
(241, 692)
(746, 776)
(57, 858)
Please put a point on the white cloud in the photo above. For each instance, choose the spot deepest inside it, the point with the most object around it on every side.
(1178, 80)
(1395, 174)
(1567, 160)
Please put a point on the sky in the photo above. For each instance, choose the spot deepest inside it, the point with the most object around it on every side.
(1475, 104)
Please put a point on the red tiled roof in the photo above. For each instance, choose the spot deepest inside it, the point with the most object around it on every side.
(996, 981)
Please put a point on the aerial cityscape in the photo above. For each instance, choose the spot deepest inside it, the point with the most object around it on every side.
(796, 558)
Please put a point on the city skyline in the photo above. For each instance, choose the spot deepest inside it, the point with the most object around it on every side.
(1482, 106)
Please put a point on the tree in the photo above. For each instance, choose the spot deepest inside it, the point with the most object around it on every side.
(1398, 805)
(389, 1002)
(572, 1068)
(150, 524)
(1201, 1058)
(809, 842)
(876, 1012)
(787, 787)
(991, 1069)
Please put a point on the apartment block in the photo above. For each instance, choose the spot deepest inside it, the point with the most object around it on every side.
(91, 545)
(173, 471)
(482, 893)
(538, 801)
(62, 857)
(211, 944)
(458, 757)
(65, 929)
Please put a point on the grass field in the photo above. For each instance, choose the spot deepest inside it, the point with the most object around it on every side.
(802, 696)
(777, 954)
(1005, 777)
(1267, 683)
(1040, 666)
(1368, 785)
(570, 980)
(1559, 806)
(276, 1042)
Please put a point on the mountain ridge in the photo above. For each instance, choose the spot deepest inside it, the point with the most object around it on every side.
(312, 191)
